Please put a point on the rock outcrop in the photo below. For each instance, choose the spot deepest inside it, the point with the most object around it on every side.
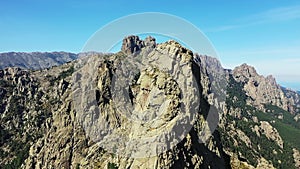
(271, 133)
(296, 156)
(294, 100)
(261, 90)
(133, 44)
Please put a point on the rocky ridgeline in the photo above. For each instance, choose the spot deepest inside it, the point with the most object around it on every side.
(263, 90)
(65, 107)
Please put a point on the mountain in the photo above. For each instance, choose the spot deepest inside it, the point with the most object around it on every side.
(148, 106)
(35, 60)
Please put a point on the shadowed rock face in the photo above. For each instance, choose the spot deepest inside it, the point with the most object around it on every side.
(132, 44)
(56, 114)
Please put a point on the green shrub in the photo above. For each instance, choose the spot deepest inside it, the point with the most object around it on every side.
(63, 75)
(112, 166)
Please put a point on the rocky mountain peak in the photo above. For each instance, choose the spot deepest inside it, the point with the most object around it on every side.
(132, 44)
(261, 90)
(272, 80)
(244, 72)
(150, 41)
(174, 49)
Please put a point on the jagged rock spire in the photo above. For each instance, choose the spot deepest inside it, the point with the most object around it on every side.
(132, 44)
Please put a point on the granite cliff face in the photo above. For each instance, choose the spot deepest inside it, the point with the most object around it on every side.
(161, 115)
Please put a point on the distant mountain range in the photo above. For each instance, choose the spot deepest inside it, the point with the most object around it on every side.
(35, 60)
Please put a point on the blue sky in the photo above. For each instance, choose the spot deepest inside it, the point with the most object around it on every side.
(265, 34)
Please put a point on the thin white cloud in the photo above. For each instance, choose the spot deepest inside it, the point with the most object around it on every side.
(293, 60)
(269, 16)
(281, 61)
(224, 28)
(267, 53)
(278, 14)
